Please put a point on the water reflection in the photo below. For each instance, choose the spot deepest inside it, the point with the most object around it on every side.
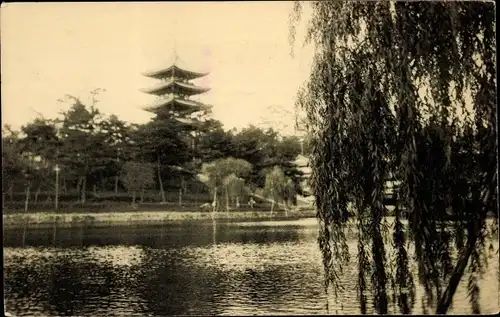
(57, 282)
(168, 283)
(195, 269)
(164, 236)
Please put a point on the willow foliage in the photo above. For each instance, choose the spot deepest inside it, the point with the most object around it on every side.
(387, 99)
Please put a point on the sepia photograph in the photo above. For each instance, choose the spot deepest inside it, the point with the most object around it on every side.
(249, 158)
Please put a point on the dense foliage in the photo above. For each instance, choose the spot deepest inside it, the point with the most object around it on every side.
(405, 91)
(137, 177)
(103, 159)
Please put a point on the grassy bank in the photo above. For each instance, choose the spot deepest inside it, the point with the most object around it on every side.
(116, 204)
(103, 219)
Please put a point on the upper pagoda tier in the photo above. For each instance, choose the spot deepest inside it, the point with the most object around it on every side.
(174, 71)
(172, 86)
(174, 90)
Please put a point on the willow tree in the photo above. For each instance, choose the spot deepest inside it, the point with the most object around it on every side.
(404, 90)
(215, 174)
(234, 188)
(277, 187)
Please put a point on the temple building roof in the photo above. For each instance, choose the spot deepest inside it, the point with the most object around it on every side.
(177, 87)
(301, 161)
(302, 164)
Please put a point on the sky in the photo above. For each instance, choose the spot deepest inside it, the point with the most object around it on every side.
(52, 49)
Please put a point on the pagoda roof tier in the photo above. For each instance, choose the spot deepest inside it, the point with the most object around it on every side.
(187, 121)
(174, 86)
(176, 103)
(174, 71)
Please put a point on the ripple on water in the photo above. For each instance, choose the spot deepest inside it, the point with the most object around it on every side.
(118, 255)
(236, 277)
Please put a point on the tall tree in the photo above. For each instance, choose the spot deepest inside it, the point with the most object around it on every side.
(160, 142)
(83, 141)
(136, 177)
(259, 147)
(42, 141)
(13, 169)
(214, 142)
(387, 95)
(119, 148)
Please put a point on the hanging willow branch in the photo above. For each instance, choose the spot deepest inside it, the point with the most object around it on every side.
(387, 98)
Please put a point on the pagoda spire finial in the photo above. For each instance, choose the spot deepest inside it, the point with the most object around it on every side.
(176, 57)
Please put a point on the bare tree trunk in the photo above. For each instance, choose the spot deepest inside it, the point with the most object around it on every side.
(458, 272)
(116, 184)
(133, 197)
(214, 203)
(272, 201)
(180, 196)
(272, 206)
(227, 199)
(142, 194)
(26, 202)
(11, 192)
(196, 196)
(94, 190)
(84, 189)
(162, 192)
(214, 231)
(103, 183)
(78, 188)
(64, 187)
(37, 193)
(24, 230)
(54, 232)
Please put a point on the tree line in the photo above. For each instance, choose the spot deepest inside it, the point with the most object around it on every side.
(102, 158)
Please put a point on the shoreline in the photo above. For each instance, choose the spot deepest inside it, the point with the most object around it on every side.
(40, 220)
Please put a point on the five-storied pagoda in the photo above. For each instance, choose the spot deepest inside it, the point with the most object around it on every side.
(174, 91)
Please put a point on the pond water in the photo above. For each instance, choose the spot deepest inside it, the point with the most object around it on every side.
(200, 268)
